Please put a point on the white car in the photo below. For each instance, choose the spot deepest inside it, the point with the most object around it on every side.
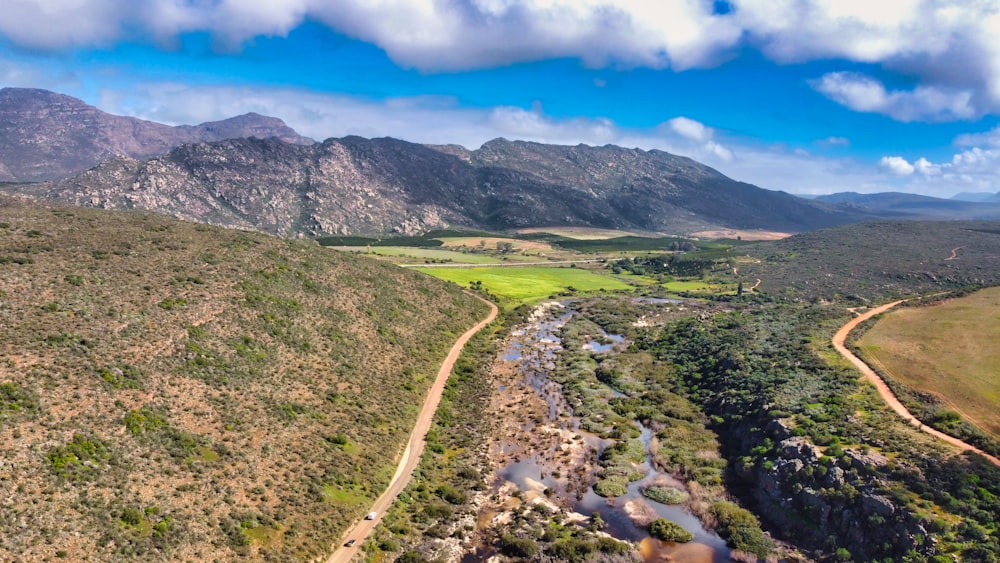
(371, 515)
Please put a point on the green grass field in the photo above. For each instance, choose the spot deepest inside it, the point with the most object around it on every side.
(409, 254)
(528, 283)
(949, 350)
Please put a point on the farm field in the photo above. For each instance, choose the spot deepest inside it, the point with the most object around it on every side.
(410, 254)
(948, 350)
(582, 233)
(529, 283)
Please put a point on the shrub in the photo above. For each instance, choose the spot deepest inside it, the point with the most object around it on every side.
(514, 546)
(614, 486)
(80, 459)
(665, 495)
(666, 530)
(740, 529)
(451, 494)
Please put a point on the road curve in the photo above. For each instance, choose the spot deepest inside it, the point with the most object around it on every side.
(887, 395)
(413, 451)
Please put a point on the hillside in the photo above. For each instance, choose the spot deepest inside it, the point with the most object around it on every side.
(45, 136)
(876, 261)
(912, 206)
(377, 186)
(171, 391)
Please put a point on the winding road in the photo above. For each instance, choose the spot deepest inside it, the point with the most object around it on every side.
(883, 390)
(412, 453)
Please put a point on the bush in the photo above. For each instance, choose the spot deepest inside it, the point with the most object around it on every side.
(740, 529)
(514, 546)
(665, 495)
(451, 494)
(614, 486)
(666, 530)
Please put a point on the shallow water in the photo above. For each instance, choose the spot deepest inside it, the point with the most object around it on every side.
(534, 348)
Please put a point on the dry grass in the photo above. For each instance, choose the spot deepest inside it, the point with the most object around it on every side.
(949, 350)
(264, 374)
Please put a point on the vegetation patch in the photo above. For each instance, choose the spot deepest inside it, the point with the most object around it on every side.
(666, 530)
(665, 495)
(80, 459)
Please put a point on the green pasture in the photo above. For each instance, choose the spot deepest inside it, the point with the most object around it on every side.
(528, 283)
(417, 253)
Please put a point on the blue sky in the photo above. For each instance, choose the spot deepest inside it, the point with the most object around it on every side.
(806, 96)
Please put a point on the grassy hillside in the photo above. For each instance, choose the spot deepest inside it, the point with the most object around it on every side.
(874, 261)
(948, 350)
(176, 391)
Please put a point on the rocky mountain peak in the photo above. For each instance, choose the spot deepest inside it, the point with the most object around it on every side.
(45, 135)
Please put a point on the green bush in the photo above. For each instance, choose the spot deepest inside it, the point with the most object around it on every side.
(514, 546)
(80, 459)
(665, 495)
(666, 530)
(740, 529)
(614, 486)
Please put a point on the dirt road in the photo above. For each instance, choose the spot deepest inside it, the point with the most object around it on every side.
(411, 455)
(887, 395)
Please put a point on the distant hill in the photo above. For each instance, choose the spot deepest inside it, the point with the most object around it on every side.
(45, 135)
(172, 391)
(977, 196)
(879, 261)
(376, 186)
(899, 205)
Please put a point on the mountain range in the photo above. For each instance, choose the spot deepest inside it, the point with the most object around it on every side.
(376, 186)
(47, 136)
(897, 205)
(255, 172)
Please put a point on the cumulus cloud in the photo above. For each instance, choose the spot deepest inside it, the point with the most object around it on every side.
(973, 169)
(924, 103)
(897, 165)
(690, 129)
(989, 138)
(948, 46)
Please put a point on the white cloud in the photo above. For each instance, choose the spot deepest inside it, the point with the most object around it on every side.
(834, 142)
(690, 129)
(989, 138)
(897, 165)
(926, 167)
(865, 94)
(949, 47)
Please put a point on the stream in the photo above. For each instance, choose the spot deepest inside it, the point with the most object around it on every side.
(533, 347)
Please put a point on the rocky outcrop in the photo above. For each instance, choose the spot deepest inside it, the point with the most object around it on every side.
(812, 497)
(377, 186)
(45, 136)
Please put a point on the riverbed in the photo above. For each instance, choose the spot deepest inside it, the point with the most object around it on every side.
(550, 457)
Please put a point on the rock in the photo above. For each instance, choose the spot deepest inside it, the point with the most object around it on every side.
(834, 478)
(800, 448)
(877, 504)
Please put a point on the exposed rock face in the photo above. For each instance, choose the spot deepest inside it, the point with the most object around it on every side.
(44, 135)
(374, 186)
(812, 497)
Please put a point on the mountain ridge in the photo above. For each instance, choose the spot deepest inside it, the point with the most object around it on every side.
(354, 185)
(46, 135)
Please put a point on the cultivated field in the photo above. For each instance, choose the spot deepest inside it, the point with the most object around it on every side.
(949, 350)
(529, 283)
(582, 233)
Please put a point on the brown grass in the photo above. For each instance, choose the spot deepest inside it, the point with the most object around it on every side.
(949, 350)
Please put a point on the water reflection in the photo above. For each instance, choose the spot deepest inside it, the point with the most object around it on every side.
(533, 348)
